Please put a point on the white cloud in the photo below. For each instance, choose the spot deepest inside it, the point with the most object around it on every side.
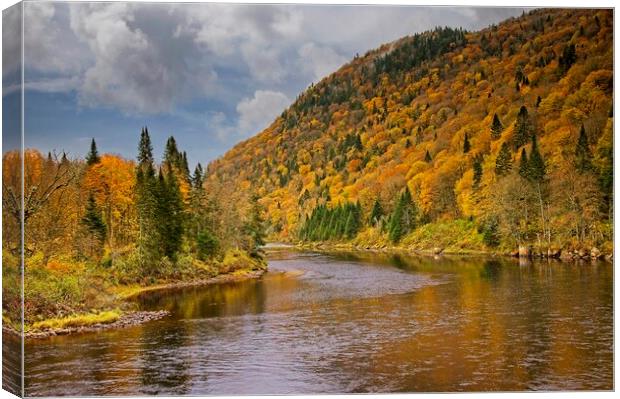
(256, 113)
(320, 61)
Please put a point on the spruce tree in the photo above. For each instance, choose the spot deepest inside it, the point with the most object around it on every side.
(524, 168)
(93, 156)
(145, 150)
(254, 228)
(583, 155)
(93, 221)
(523, 128)
(197, 178)
(477, 170)
(172, 157)
(147, 195)
(466, 145)
(376, 213)
(427, 157)
(403, 219)
(537, 169)
(496, 128)
(170, 216)
(503, 162)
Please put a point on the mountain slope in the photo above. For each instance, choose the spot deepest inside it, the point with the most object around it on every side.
(431, 113)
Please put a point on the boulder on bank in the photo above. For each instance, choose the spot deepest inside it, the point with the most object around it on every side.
(595, 253)
(437, 251)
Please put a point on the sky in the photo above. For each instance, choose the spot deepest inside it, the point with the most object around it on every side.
(212, 75)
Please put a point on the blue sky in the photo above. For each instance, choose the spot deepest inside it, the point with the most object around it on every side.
(209, 74)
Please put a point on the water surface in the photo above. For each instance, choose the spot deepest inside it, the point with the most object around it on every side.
(334, 323)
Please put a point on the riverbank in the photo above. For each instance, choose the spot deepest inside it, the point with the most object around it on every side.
(117, 309)
(564, 255)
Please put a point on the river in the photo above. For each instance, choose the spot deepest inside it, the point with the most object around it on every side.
(359, 322)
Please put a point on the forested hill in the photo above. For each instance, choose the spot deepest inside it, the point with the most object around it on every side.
(490, 139)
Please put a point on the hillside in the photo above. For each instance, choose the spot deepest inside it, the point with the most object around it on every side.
(473, 140)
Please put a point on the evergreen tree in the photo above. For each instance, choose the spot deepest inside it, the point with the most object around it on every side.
(254, 228)
(523, 128)
(147, 194)
(145, 149)
(197, 178)
(524, 168)
(503, 163)
(376, 213)
(427, 157)
(466, 145)
(172, 157)
(477, 170)
(583, 155)
(93, 220)
(170, 214)
(93, 156)
(185, 166)
(537, 169)
(403, 219)
(496, 127)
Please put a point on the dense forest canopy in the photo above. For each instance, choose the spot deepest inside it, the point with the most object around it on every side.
(504, 135)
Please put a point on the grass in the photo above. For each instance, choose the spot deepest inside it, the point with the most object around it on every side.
(88, 319)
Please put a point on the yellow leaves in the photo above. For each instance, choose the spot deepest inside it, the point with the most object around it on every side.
(463, 191)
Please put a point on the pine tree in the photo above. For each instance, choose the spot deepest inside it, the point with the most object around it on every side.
(583, 155)
(93, 156)
(537, 169)
(254, 228)
(145, 150)
(93, 221)
(523, 128)
(170, 214)
(524, 168)
(427, 157)
(376, 213)
(172, 157)
(503, 162)
(403, 219)
(197, 178)
(477, 170)
(147, 194)
(496, 128)
(466, 145)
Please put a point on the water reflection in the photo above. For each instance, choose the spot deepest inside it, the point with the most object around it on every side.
(358, 322)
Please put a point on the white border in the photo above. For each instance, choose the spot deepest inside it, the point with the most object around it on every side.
(483, 3)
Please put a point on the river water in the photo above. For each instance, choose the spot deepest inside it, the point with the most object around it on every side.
(359, 322)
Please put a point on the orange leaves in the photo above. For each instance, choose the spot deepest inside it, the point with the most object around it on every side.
(111, 180)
